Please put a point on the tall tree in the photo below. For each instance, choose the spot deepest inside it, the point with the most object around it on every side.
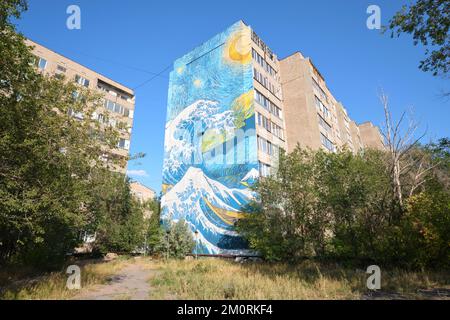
(47, 156)
(409, 164)
(428, 21)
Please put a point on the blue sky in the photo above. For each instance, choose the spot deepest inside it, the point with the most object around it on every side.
(129, 40)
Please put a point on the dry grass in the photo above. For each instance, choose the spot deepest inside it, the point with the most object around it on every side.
(226, 279)
(52, 286)
(219, 279)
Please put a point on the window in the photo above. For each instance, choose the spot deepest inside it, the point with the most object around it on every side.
(264, 169)
(327, 143)
(324, 124)
(101, 118)
(263, 63)
(326, 112)
(76, 96)
(41, 63)
(61, 69)
(321, 107)
(265, 146)
(82, 81)
(124, 144)
(117, 108)
(258, 76)
(267, 104)
(76, 115)
(319, 90)
(270, 126)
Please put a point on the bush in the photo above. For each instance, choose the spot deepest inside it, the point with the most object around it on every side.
(155, 231)
(118, 218)
(428, 223)
(342, 206)
(177, 241)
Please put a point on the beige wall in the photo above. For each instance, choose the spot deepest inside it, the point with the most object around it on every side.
(299, 110)
(356, 137)
(141, 192)
(371, 136)
(345, 129)
(116, 92)
(276, 97)
(302, 117)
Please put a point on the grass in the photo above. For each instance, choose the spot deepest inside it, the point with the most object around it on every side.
(209, 278)
(222, 279)
(52, 286)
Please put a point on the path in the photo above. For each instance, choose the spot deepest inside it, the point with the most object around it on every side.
(131, 283)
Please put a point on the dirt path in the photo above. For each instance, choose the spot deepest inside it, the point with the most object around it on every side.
(131, 283)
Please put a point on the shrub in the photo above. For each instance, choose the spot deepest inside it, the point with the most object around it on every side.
(428, 223)
(118, 217)
(177, 241)
(342, 206)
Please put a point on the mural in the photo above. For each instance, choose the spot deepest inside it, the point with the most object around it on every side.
(210, 153)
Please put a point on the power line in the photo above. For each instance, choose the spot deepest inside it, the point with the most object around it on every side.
(152, 78)
(117, 63)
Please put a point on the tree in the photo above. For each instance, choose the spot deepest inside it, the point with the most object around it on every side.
(117, 218)
(428, 21)
(155, 231)
(343, 206)
(408, 163)
(427, 228)
(11, 8)
(47, 157)
(286, 223)
(176, 241)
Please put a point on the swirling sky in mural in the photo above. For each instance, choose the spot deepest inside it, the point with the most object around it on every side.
(210, 154)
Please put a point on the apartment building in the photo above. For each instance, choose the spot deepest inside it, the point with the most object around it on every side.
(141, 192)
(314, 117)
(371, 136)
(232, 106)
(119, 100)
(268, 105)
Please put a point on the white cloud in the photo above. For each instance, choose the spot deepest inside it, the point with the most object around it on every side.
(137, 173)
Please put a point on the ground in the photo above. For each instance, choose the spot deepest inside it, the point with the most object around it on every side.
(146, 278)
(131, 283)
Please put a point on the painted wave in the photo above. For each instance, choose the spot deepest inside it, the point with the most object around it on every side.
(207, 205)
(181, 139)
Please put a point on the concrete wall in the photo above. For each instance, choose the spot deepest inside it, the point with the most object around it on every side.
(60, 65)
(371, 136)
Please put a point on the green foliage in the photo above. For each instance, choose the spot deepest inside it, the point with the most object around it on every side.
(11, 8)
(42, 172)
(155, 231)
(176, 241)
(287, 224)
(53, 183)
(428, 222)
(341, 206)
(428, 21)
(118, 219)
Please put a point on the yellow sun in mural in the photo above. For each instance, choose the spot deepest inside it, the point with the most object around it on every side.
(197, 83)
(180, 70)
(243, 109)
(238, 47)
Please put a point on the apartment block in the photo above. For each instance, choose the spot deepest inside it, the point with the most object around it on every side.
(141, 192)
(314, 117)
(371, 136)
(268, 105)
(232, 106)
(119, 100)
